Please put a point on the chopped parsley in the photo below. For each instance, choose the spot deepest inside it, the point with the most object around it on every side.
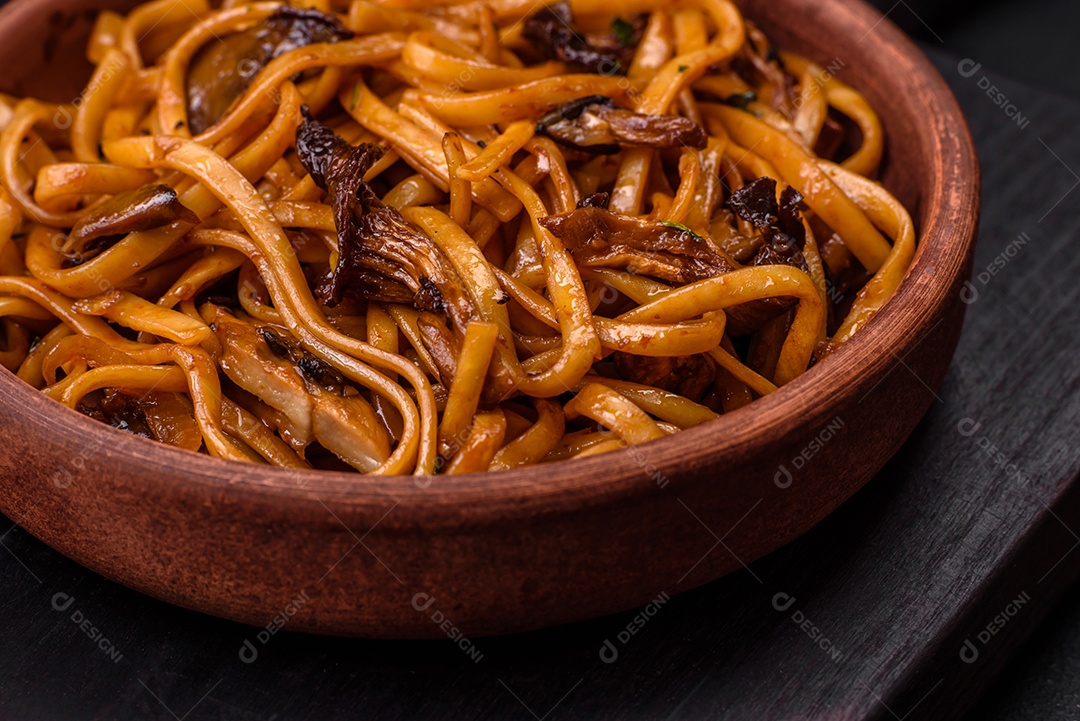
(741, 100)
(624, 31)
(683, 228)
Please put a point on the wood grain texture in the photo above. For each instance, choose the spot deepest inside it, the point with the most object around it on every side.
(1039, 681)
(921, 559)
(542, 545)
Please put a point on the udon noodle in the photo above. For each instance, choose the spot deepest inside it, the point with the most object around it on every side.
(427, 237)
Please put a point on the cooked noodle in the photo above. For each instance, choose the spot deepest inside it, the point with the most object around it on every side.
(409, 237)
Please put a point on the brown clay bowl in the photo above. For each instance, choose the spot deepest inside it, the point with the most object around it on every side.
(493, 553)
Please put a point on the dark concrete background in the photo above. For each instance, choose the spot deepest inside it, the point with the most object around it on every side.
(1029, 42)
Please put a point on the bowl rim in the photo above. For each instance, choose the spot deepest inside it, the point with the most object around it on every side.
(579, 483)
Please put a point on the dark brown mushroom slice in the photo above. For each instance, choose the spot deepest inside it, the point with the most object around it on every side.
(163, 417)
(596, 200)
(844, 274)
(552, 31)
(269, 363)
(596, 125)
(756, 203)
(725, 231)
(780, 243)
(780, 223)
(830, 138)
(381, 256)
(598, 238)
(313, 369)
(690, 376)
(221, 71)
(442, 344)
(149, 207)
(759, 64)
(117, 409)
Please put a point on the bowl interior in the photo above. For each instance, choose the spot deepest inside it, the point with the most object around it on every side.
(41, 50)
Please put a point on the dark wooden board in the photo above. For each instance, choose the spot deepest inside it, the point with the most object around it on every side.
(924, 558)
(1041, 680)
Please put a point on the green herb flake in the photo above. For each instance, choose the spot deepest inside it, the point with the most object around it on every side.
(683, 68)
(741, 100)
(680, 226)
(624, 31)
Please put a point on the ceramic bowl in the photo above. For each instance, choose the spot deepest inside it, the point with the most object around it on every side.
(492, 553)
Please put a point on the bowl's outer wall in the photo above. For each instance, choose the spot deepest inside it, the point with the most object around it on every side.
(503, 552)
